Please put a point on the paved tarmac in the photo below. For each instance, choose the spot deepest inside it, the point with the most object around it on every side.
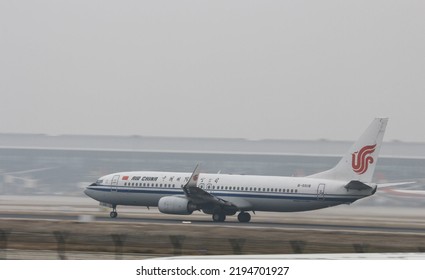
(343, 229)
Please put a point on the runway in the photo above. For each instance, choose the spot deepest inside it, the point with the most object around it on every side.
(341, 218)
(77, 228)
(153, 219)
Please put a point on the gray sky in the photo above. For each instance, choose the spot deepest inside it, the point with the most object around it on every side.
(238, 69)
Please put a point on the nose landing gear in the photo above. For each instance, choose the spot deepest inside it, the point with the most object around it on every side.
(114, 212)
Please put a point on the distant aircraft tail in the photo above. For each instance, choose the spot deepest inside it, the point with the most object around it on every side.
(360, 161)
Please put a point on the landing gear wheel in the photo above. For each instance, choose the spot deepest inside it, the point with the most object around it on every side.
(244, 217)
(219, 217)
(114, 213)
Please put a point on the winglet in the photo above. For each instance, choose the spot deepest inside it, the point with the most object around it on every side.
(192, 181)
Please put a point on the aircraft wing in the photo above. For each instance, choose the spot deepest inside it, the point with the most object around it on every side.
(198, 195)
(395, 184)
(391, 188)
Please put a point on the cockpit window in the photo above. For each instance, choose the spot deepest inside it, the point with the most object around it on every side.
(99, 182)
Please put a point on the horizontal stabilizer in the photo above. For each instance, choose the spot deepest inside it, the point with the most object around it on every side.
(357, 185)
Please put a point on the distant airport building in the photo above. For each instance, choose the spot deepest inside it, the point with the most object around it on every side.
(64, 165)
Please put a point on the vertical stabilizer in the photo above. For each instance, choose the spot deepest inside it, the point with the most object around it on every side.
(360, 161)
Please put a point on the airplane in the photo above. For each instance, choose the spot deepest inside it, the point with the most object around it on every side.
(222, 195)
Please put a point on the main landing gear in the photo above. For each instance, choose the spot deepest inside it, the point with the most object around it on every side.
(220, 216)
(113, 213)
(244, 217)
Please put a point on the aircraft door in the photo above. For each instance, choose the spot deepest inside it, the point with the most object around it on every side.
(321, 191)
(114, 183)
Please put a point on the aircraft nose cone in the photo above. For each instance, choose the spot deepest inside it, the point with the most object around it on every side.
(87, 191)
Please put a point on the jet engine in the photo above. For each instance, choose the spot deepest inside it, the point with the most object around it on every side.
(176, 205)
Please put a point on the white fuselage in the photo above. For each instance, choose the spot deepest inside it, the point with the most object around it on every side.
(221, 195)
(247, 192)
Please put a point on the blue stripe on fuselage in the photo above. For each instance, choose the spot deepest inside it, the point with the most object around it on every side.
(292, 196)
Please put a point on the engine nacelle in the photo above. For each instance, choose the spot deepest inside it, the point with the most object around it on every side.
(176, 205)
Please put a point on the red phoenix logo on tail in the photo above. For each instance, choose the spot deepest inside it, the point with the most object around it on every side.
(362, 159)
